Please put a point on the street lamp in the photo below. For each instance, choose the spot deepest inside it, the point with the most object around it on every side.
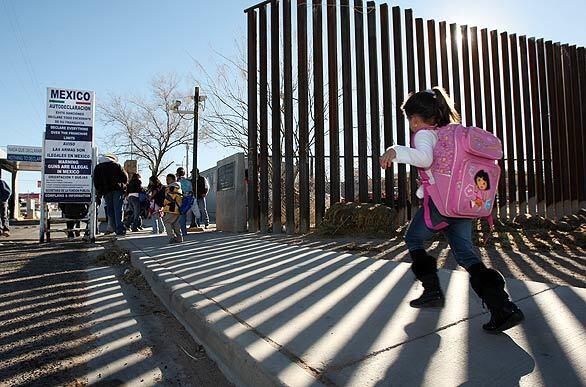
(195, 112)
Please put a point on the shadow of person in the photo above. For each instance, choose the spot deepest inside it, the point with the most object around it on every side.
(411, 364)
(495, 360)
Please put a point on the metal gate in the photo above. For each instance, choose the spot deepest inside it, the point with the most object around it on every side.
(329, 124)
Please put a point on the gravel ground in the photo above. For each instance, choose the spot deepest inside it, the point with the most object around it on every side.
(68, 318)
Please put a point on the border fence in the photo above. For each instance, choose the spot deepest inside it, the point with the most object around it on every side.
(355, 63)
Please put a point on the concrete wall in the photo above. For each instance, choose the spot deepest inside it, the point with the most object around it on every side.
(231, 195)
(212, 176)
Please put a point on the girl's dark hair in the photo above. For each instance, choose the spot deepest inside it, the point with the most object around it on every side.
(484, 176)
(433, 105)
(154, 182)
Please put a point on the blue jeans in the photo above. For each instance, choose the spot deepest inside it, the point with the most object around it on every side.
(134, 204)
(458, 234)
(183, 220)
(3, 215)
(203, 212)
(114, 210)
(158, 225)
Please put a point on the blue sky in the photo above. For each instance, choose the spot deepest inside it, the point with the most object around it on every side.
(118, 46)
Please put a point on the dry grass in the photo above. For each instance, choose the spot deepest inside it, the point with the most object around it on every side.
(113, 255)
(359, 219)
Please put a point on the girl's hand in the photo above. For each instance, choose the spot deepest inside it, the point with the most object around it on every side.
(387, 158)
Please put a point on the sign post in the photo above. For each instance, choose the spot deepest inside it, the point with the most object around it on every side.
(68, 154)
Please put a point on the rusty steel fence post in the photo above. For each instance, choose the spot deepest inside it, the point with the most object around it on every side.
(498, 120)
(573, 134)
(577, 134)
(374, 100)
(411, 87)
(510, 148)
(303, 117)
(318, 92)
(536, 127)
(528, 128)
(518, 127)
(456, 95)
(443, 33)
(432, 49)
(557, 204)
(263, 100)
(420, 50)
(347, 102)
(276, 117)
(488, 121)
(333, 100)
(361, 101)
(581, 70)
(467, 113)
(399, 97)
(487, 90)
(333, 119)
(387, 102)
(288, 100)
(253, 218)
(477, 93)
(546, 129)
(561, 132)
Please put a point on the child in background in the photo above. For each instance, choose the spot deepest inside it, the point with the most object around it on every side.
(171, 208)
(156, 192)
(426, 111)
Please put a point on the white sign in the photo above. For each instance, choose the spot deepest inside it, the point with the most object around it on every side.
(68, 146)
(31, 154)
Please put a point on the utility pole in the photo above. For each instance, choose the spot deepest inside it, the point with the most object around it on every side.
(195, 131)
(186, 159)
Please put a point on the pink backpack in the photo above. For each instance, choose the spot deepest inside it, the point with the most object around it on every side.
(464, 176)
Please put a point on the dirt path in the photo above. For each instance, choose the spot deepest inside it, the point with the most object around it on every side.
(67, 319)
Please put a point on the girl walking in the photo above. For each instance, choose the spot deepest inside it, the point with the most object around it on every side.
(156, 191)
(427, 111)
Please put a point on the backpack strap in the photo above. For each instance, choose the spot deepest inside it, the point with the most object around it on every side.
(427, 213)
(490, 221)
(425, 183)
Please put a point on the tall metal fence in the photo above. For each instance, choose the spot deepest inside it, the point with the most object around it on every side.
(332, 88)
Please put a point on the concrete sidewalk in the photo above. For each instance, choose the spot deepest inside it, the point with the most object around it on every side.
(276, 314)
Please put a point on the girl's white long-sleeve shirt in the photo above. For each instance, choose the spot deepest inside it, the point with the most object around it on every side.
(421, 156)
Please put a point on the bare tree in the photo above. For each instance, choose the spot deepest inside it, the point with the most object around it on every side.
(145, 126)
(225, 119)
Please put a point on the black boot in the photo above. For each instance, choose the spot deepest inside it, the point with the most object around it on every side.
(489, 284)
(425, 269)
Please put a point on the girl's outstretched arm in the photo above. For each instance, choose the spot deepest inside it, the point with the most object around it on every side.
(421, 156)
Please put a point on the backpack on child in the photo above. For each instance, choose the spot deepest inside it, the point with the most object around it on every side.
(464, 176)
(186, 204)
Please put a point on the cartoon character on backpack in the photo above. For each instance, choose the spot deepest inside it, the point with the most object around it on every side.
(482, 182)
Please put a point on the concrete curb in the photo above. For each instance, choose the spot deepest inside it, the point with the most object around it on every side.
(241, 357)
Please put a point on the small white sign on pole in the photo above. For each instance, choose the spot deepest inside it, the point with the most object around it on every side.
(31, 154)
(68, 143)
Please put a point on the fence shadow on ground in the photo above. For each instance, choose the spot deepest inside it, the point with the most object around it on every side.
(66, 325)
(520, 256)
(346, 318)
